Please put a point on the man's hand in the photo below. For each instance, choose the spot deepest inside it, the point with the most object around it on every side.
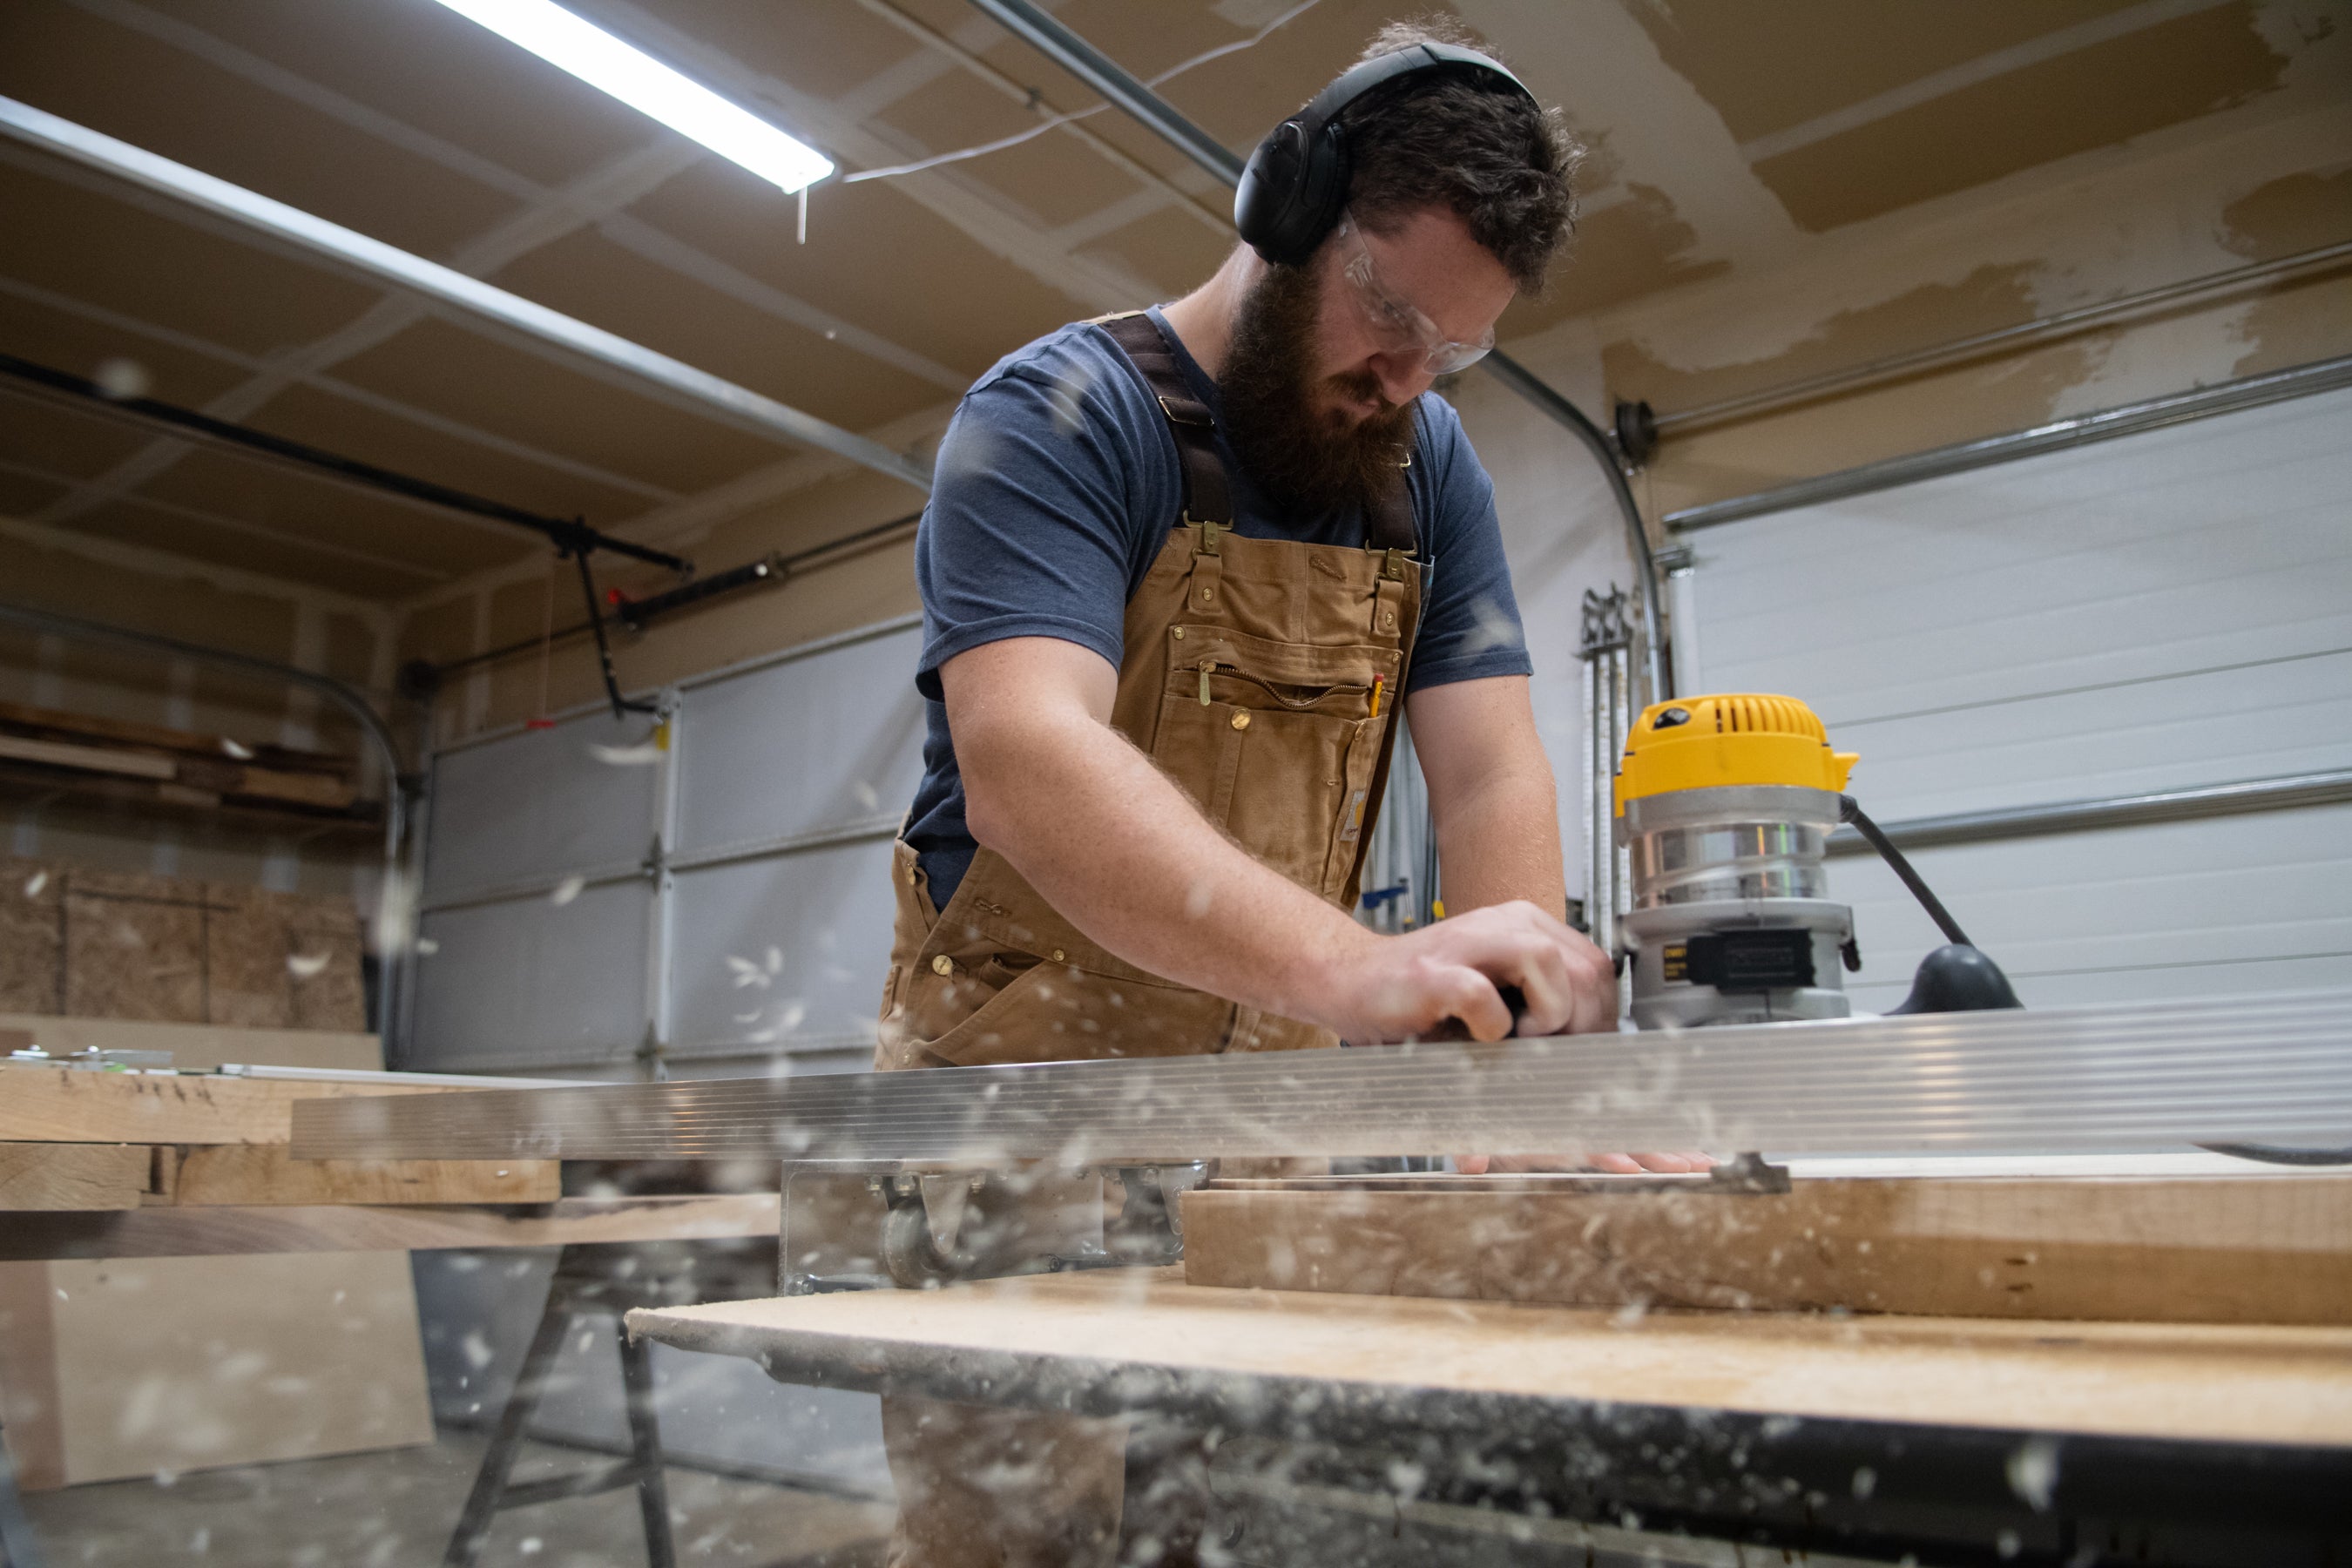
(1403, 987)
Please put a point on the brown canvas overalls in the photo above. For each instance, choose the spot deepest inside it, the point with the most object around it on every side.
(1263, 676)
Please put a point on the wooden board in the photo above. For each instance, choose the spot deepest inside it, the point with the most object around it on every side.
(1073, 1341)
(2252, 1249)
(72, 1105)
(73, 1175)
(188, 1232)
(146, 1371)
(134, 947)
(247, 1174)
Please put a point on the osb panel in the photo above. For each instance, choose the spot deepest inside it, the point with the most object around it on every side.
(1766, 68)
(32, 937)
(281, 960)
(2090, 98)
(134, 948)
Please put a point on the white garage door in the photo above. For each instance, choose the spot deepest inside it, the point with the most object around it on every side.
(722, 895)
(2165, 611)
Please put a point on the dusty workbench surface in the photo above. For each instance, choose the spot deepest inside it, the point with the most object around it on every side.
(1089, 1342)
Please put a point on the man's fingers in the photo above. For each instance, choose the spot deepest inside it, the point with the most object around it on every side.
(1471, 998)
(1472, 1164)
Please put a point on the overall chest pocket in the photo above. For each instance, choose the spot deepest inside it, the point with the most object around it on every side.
(1276, 741)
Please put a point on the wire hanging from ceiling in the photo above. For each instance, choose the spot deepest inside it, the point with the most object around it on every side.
(1058, 121)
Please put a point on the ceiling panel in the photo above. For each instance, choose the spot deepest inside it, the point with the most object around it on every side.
(874, 257)
(824, 47)
(293, 503)
(61, 439)
(587, 276)
(2090, 98)
(1629, 246)
(65, 341)
(431, 68)
(132, 520)
(340, 425)
(1175, 252)
(1053, 174)
(1766, 68)
(97, 247)
(482, 383)
(165, 101)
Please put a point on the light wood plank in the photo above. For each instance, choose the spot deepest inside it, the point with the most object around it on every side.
(196, 1047)
(75, 1106)
(1041, 1338)
(182, 1232)
(233, 1173)
(72, 1175)
(2252, 1249)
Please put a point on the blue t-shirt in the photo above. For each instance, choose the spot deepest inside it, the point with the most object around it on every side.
(1054, 492)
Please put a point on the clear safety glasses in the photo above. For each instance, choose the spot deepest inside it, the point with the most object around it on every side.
(1399, 325)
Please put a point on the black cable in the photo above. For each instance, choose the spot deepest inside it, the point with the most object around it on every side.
(1850, 811)
(620, 705)
(785, 566)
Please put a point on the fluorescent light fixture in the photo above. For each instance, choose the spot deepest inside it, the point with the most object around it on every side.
(644, 83)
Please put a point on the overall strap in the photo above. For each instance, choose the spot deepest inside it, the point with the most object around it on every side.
(1208, 499)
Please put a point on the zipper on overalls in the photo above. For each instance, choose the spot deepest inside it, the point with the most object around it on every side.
(1208, 667)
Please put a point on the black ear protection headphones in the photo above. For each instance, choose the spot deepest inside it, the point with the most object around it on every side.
(1296, 184)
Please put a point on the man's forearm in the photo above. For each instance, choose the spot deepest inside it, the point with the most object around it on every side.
(1113, 843)
(1503, 843)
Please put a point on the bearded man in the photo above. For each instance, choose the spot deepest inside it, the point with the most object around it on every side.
(1180, 572)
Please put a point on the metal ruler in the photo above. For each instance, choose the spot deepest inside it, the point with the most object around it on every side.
(2272, 1070)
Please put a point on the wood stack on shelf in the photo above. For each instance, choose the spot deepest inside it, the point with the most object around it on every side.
(151, 766)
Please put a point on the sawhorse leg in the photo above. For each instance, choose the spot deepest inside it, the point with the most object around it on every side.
(16, 1546)
(579, 1286)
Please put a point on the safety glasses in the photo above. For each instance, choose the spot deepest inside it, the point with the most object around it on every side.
(1400, 327)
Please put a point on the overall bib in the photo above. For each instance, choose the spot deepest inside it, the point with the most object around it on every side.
(1262, 675)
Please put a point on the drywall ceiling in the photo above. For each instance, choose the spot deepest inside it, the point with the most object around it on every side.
(1722, 133)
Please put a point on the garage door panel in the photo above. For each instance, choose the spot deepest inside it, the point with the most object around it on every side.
(782, 952)
(540, 803)
(803, 746)
(514, 980)
(2160, 611)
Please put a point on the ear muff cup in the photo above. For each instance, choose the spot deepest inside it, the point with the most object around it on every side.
(1292, 191)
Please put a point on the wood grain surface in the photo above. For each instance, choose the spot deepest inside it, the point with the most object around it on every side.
(1048, 1340)
(185, 1232)
(72, 1175)
(71, 1105)
(2255, 1250)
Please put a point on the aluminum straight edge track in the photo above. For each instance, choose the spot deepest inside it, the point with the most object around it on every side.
(2081, 1079)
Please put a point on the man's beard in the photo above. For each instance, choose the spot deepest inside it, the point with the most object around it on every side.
(1308, 458)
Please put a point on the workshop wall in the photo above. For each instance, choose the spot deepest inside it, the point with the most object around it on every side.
(93, 577)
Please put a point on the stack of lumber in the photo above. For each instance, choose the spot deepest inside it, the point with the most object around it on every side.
(100, 944)
(2227, 1249)
(152, 766)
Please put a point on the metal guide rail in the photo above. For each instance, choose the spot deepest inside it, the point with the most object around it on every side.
(2272, 1070)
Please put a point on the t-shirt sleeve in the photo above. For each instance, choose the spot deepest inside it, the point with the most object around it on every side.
(1028, 532)
(1470, 626)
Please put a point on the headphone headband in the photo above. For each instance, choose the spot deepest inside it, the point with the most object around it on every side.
(1296, 184)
